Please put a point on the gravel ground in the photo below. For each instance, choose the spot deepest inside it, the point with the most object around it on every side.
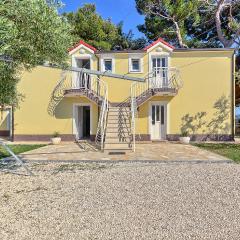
(157, 200)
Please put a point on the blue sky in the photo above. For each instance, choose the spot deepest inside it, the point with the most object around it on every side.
(117, 10)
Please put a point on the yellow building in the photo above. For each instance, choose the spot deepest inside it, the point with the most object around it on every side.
(185, 91)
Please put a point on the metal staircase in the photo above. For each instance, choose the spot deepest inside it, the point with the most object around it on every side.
(117, 124)
(161, 82)
(118, 132)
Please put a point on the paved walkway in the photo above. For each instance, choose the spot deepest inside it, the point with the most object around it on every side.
(155, 151)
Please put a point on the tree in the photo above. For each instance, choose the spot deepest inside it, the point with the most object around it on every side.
(102, 34)
(220, 23)
(31, 32)
(127, 40)
(168, 18)
(91, 27)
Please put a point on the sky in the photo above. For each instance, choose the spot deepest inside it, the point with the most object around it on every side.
(117, 10)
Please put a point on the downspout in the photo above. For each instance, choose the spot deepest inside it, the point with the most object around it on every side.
(233, 95)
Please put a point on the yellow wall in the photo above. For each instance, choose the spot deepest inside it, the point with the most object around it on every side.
(206, 75)
(38, 113)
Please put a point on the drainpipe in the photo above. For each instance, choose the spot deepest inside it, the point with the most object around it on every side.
(233, 95)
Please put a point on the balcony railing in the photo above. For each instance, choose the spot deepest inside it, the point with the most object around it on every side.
(160, 80)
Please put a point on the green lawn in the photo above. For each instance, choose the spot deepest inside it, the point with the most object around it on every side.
(19, 149)
(228, 150)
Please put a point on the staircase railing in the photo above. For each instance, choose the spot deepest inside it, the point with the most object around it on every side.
(164, 79)
(102, 122)
(161, 79)
(133, 122)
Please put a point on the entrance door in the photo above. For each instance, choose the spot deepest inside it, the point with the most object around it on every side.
(158, 121)
(82, 80)
(159, 65)
(82, 122)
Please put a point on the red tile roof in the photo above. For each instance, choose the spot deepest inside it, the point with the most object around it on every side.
(157, 41)
(81, 42)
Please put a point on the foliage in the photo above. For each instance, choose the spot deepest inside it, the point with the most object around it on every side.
(229, 150)
(201, 23)
(127, 41)
(19, 149)
(167, 18)
(102, 34)
(8, 86)
(31, 32)
(56, 134)
(91, 27)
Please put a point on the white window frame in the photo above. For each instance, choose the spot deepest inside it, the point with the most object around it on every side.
(107, 57)
(159, 55)
(133, 57)
(75, 116)
(74, 64)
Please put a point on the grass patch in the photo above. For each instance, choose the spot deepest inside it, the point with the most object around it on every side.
(231, 151)
(19, 149)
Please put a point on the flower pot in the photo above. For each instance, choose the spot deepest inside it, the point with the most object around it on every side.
(184, 140)
(56, 140)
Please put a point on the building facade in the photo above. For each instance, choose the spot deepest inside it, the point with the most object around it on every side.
(169, 92)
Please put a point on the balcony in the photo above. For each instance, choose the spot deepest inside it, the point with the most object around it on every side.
(84, 84)
(160, 82)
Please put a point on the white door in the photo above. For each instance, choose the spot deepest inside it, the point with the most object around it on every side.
(158, 121)
(81, 80)
(78, 113)
(159, 65)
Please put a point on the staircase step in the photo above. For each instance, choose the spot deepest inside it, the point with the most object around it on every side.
(117, 146)
(117, 140)
(117, 135)
(118, 125)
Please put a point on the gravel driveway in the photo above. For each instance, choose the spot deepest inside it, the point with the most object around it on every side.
(173, 200)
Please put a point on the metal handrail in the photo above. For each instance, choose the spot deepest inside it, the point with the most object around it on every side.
(166, 78)
(133, 122)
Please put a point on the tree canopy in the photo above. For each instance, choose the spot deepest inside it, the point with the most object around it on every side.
(31, 32)
(194, 23)
(102, 34)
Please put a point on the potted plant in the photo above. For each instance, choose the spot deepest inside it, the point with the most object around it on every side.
(185, 139)
(56, 138)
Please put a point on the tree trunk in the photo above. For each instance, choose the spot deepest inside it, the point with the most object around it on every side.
(179, 36)
(226, 43)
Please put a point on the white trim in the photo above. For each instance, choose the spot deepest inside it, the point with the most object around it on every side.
(135, 56)
(81, 46)
(107, 57)
(74, 116)
(74, 64)
(167, 116)
(158, 55)
(161, 45)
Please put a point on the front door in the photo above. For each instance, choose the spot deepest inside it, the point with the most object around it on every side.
(82, 122)
(159, 65)
(158, 121)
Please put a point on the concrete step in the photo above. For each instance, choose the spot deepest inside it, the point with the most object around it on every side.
(118, 140)
(120, 131)
(117, 135)
(116, 113)
(117, 146)
(117, 120)
(118, 125)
